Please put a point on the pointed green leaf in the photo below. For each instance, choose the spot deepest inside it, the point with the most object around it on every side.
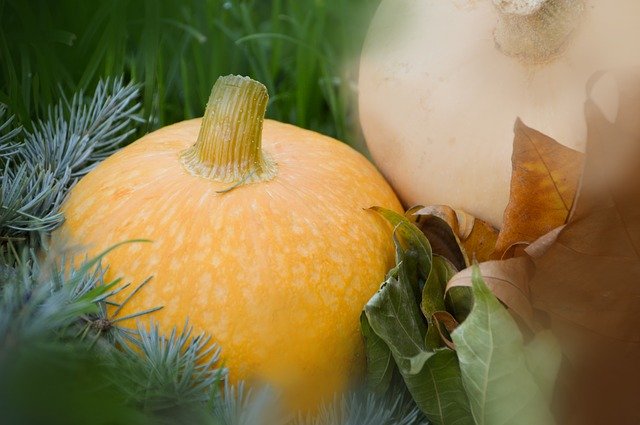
(394, 316)
(433, 297)
(380, 364)
(409, 237)
(459, 302)
(408, 268)
(439, 391)
(494, 365)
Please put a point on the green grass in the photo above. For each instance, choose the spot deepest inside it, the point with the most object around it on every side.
(304, 51)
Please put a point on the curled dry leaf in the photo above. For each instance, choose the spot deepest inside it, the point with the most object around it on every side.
(508, 280)
(476, 237)
(442, 237)
(445, 324)
(544, 182)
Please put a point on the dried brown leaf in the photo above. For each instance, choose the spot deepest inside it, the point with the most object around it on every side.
(590, 273)
(445, 323)
(476, 237)
(587, 272)
(584, 273)
(508, 280)
(544, 181)
(481, 242)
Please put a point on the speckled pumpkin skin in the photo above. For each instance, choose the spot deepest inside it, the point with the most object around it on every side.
(277, 272)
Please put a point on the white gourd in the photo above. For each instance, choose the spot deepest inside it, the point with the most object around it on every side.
(442, 83)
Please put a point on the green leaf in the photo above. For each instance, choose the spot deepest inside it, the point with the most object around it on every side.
(459, 302)
(380, 364)
(439, 391)
(394, 316)
(494, 365)
(410, 238)
(433, 293)
(433, 297)
(433, 378)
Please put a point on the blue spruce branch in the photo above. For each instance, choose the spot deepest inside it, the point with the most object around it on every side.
(39, 170)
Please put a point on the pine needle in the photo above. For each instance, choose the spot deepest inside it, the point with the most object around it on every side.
(366, 408)
(40, 169)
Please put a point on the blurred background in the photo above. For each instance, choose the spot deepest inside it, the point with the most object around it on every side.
(304, 51)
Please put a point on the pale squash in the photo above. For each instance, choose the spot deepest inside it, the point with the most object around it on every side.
(442, 83)
(260, 234)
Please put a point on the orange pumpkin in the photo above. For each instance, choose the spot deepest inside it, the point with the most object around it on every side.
(260, 237)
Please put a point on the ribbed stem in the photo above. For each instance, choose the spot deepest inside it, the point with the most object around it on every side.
(229, 146)
(536, 30)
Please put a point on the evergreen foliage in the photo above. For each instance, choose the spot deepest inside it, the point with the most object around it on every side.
(41, 164)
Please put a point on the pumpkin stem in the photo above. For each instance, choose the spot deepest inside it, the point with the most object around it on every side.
(229, 146)
(536, 30)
